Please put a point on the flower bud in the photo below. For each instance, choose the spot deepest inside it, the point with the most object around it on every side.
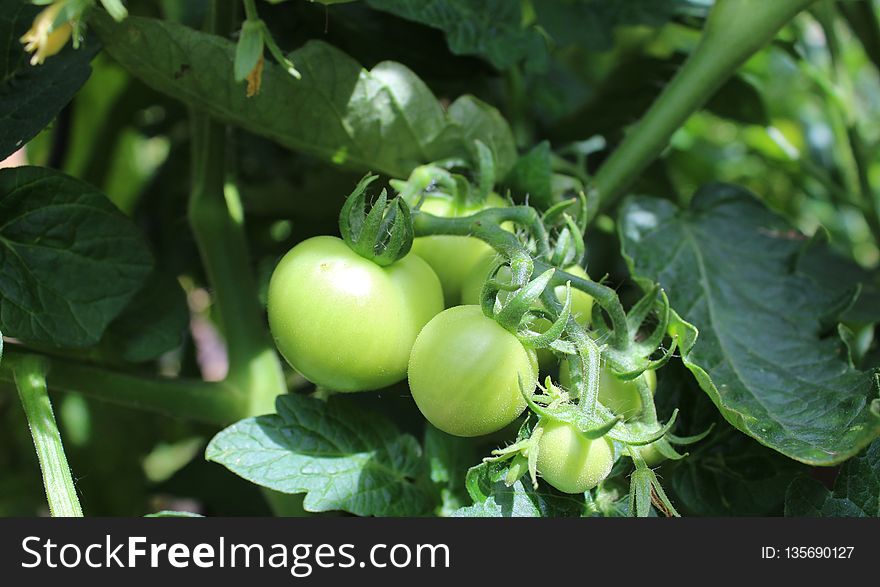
(44, 40)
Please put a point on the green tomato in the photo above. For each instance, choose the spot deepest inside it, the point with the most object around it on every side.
(568, 461)
(581, 303)
(344, 322)
(621, 397)
(464, 373)
(452, 256)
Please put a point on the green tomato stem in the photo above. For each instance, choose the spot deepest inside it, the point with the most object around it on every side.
(735, 30)
(217, 221)
(216, 403)
(29, 373)
(250, 10)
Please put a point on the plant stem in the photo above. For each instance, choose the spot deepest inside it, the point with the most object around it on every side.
(217, 403)
(217, 221)
(858, 162)
(735, 30)
(250, 10)
(29, 373)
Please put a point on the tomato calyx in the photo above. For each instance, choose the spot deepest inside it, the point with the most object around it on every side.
(384, 234)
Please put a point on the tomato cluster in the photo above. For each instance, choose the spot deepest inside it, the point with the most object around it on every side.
(348, 324)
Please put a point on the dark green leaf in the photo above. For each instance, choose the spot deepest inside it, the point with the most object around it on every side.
(69, 260)
(837, 276)
(856, 491)
(448, 460)
(727, 266)
(739, 100)
(385, 119)
(494, 499)
(31, 96)
(725, 474)
(492, 29)
(153, 323)
(533, 175)
(343, 457)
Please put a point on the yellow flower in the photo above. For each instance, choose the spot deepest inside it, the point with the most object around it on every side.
(42, 39)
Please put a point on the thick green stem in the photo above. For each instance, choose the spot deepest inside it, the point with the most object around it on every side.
(29, 373)
(735, 30)
(217, 403)
(217, 221)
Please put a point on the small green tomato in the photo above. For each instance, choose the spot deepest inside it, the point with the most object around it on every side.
(568, 461)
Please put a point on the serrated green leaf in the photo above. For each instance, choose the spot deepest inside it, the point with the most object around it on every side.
(856, 492)
(31, 96)
(494, 499)
(727, 265)
(343, 457)
(383, 120)
(69, 260)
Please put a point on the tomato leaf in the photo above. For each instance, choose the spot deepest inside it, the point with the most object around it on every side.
(493, 499)
(31, 96)
(448, 460)
(153, 322)
(385, 119)
(727, 473)
(69, 260)
(492, 29)
(728, 266)
(856, 491)
(342, 457)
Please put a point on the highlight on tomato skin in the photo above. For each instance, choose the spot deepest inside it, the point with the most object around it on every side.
(344, 322)
(464, 373)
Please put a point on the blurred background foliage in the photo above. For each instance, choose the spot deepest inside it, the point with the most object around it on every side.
(799, 126)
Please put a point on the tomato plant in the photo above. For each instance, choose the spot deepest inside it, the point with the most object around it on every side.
(579, 259)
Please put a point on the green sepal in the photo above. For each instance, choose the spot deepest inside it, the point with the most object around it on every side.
(632, 434)
(645, 490)
(485, 170)
(382, 235)
(556, 329)
(685, 440)
(512, 312)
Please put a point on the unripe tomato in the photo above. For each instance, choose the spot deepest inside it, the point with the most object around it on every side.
(464, 373)
(620, 396)
(344, 322)
(568, 461)
(452, 256)
(581, 302)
